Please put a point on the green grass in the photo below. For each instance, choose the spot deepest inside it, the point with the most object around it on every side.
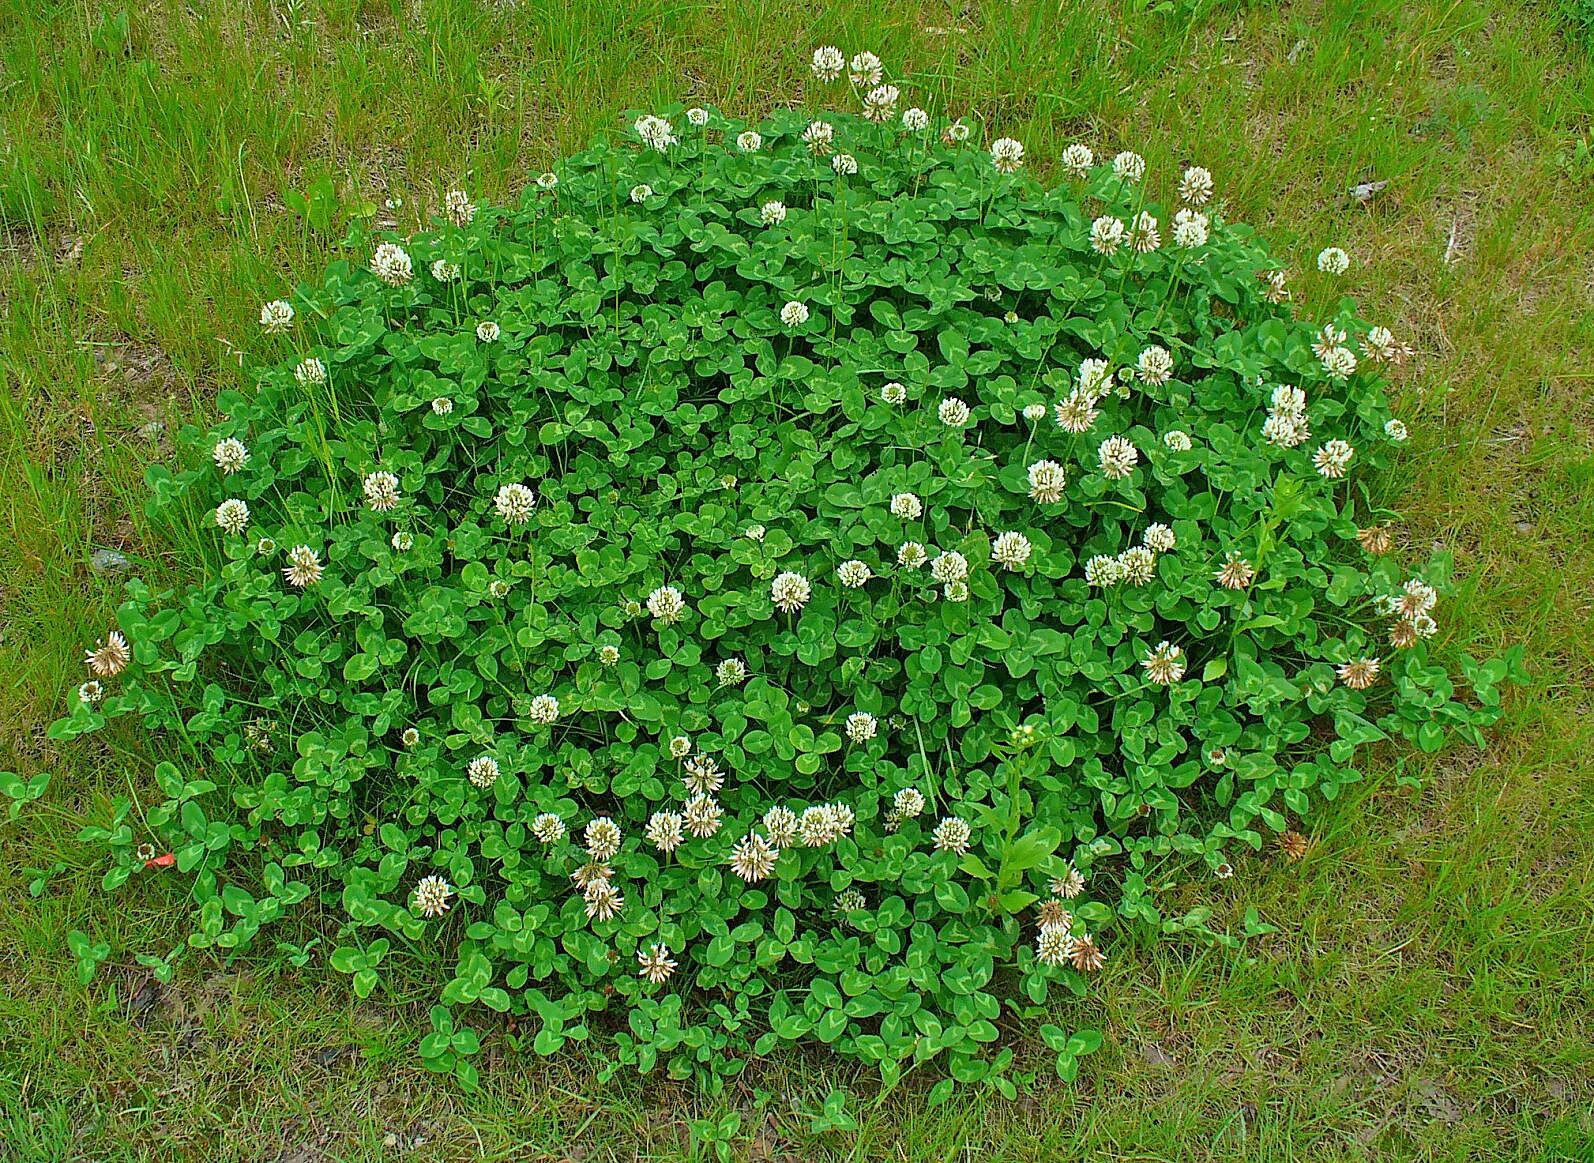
(1427, 992)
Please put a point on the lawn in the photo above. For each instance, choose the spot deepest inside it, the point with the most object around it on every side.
(1425, 993)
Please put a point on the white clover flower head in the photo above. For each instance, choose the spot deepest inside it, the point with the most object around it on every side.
(641, 192)
(459, 208)
(1396, 430)
(1190, 229)
(1117, 457)
(908, 802)
(880, 103)
(912, 555)
(790, 592)
(816, 827)
(602, 836)
(548, 828)
(265, 547)
(1095, 378)
(853, 574)
(952, 834)
(907, 506)
(1286, 429)
(1339, 363)
(392, 265)
(1034, 413)
(862, 726)
(750, 141)
(403, 542)
(957, 132)
(794, 314)
(609, 654)
(1177, 440)
(110, 655)
(232, 516)
(680, 747)
(1333, 458)
(828, 62)
(1287, 399)
(955, 591)
(1047, 479)
(548, 180)
(544, 709)
(1077, 160)
(731, 672)
(1381, 346)
(667, 604)
(444, 271)
(697, 116)
(844, 164)
(753, 857)
(818, 136)
(1106, 235)
(381, 491)
(303, 568)
(655, 963)
(1236, 572)
(431, 897)
(1007, 155)
(655, 132)
(1137, 565)
(949, 567)
(1158, 538)
(1011, 550)
(1143, 234)
(865, 69)
(1195, 186)
(442, 406)
(1155, 366)
(702, 815)
(514, 502)
(230, 455)
(604, 902)
(411, 737)
(310, 373)
(953, 412)
(1333, 261)
(276, 316)
(780, 823)
(498, 588)
(664, 831)
(1129, 166)
(1103, 570)
(483, 771)
(755, 533)
(894, 393)
(915, 120)
(1164, 663)
(487, 331)
(772, 213)
(1053, 946)
(90, 692)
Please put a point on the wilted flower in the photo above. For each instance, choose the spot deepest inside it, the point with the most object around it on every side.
(666, 604)
(431, 896)
(1273, 288)
(1375, 539)
(655, 962)
(1054, 915)
(1129, 166)
(1117, 457)
(304, 566)
(794, 314)
(1077, 160)
(828, 62)
(1007, 155)
(853, 574)
(1010, 549)
(1236, 573)
(790, 592)
(514, 503)
(232, 516)
(911, 555)
(1046, 482)
(1195, 187)
(1164, 663)
(1360, 673)
(276, 316)
(392, 265)
(1333, 261)
(952, 834)
(230, 455)
(1085, 955)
